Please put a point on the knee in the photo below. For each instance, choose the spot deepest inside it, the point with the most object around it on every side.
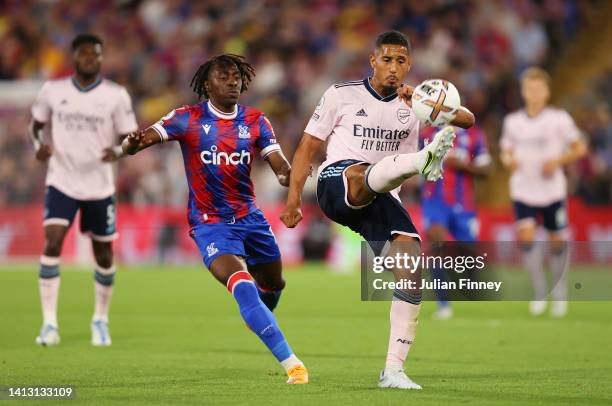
(558, 246)
(53, 246)
(104, 257)
(275, 285)
(405, 244)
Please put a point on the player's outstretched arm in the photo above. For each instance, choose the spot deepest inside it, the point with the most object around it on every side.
(140, 140)
(112, 154)
(280, 166)
(464, 118)
(309, 145)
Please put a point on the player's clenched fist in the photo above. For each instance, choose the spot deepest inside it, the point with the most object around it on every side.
(404, 92)
(291, 216)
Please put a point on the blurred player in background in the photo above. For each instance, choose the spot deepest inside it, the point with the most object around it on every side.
(219, 140)
(536, 143)
(86, 114)
(372, 149)
(449, 205)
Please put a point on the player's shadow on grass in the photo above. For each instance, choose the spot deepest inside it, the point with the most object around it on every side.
(534, 384)
(303, 354)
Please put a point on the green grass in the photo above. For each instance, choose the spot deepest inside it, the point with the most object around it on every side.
(178, 338)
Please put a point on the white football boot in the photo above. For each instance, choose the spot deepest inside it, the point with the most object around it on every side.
(443, 313)
(396, 379)
(100, 337)
(558, 308)
(49, 335)
(537, 307)
(436, 151)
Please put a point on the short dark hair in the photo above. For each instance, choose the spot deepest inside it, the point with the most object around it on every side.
(247, 72)
(85, 39)
(393, 38)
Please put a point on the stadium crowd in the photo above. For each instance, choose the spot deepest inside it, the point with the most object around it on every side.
(299, 48)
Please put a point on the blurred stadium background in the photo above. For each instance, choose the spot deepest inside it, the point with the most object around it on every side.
(177, 337)
(299, 48)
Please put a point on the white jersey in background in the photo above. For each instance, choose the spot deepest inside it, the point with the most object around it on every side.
(84, 121)
(360, 124)
(533, 141)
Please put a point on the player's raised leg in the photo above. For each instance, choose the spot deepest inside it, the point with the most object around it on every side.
(104, 277)
(49, 280)
(391, 171)
(365, 181)
(404, 314)
(232, 272)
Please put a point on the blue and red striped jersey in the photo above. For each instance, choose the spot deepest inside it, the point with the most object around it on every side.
(218, 150)
(456, 188)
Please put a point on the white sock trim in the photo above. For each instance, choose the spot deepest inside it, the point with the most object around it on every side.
(100, 317)
(106, 271)
(291, 362)
(415, 235)
(56, 221)
(103, 238)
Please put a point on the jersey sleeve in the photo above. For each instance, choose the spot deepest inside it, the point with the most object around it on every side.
(570, 131)
(266, 142)
(506, 141)
(41, 109)
(173, 126)
(325, 116)
(123, 116)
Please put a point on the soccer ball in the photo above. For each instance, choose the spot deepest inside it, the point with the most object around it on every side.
(435, 102)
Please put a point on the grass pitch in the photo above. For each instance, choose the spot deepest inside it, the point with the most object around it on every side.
(178, 339)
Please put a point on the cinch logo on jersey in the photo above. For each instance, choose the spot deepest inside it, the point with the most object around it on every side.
(217, 158)
(379, 139)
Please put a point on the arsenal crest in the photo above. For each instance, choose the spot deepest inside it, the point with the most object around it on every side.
(403, 115)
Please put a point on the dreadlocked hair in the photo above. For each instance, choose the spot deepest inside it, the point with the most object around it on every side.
(246, 72)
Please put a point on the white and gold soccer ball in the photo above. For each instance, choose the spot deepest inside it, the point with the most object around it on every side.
(435, 102)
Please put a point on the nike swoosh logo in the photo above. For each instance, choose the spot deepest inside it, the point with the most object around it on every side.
(430, 158)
